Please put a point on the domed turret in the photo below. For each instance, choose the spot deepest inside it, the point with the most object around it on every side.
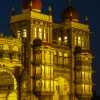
(32, 4)
(36, 4)
(71, 14)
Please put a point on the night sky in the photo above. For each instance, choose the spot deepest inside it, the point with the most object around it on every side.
(90, 8)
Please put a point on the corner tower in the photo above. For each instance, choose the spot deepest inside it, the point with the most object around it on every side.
(35, 31)
(79, 43)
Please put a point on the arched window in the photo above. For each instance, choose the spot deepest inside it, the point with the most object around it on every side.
(75, 41)
(59, 40)
(60, 58)
(40, 33)
(79, 41)
(45, 35)
(55, 58)
(65, 58)
(24, 33)
(65, 40)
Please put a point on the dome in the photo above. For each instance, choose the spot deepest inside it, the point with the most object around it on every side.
(71, 13)
(32, 4)
(36, 4)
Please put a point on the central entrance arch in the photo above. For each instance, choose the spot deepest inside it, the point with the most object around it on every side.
(8, 85)
(61, 89)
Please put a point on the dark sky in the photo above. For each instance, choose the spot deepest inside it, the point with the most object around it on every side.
(90, 8)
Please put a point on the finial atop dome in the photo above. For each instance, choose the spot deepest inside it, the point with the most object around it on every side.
(13, 11)
(69, 2)
(49, 9)
(86, 20)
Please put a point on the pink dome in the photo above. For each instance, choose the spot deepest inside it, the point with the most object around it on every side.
(36, 4)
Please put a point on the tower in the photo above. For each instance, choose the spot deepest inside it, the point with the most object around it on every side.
(79, 35)
(36, 33)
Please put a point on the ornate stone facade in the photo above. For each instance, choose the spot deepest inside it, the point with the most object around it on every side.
(44, 60)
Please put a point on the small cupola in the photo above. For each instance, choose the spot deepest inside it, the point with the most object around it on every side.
(70, 14)
(32, 4)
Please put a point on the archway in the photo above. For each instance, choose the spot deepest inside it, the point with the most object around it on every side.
(8, 85)
(61, 89)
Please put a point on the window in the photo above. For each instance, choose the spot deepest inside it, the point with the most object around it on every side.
(47, 85)
(43, 85)
(83, 44)
(44, 35)
(35, 32)
(38, 58)
(86, 41)
(75, 41)
(43, 57)
(78, 76)
(38, 70)
(1, 46)
(79, 89)
(86, 76)
(43, 71)
(65, 40)
(38, 85)
(40, 33)
(60, 58)
(1, 52)
(79, 41)
(65, 58)
(18, 34)
(51, 58)
(47, 57)
(47, 71)
(55, 58)
(15, 55)
(24, 33)
(52, 84)
(86, 88)
(59, 40)
(6, 54)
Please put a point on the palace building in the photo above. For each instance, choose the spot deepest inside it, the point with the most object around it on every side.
(44, 60)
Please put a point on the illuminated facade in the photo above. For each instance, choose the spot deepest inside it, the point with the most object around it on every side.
(43, 60)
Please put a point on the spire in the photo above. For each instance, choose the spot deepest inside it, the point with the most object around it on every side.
(49, 9)
(86, 21)
(69, 3)
(13, 11)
